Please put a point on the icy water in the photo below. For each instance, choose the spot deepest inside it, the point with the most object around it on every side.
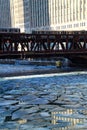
(44, 102)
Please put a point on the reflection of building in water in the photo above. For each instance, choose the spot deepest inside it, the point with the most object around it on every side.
(22, 121)
(67, 117)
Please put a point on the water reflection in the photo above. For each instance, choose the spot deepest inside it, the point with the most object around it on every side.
(68, 119)
(22, 121)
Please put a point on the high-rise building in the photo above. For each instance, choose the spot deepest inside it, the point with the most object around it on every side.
(56, 15)
(29, 15)
(40, 19)
(59, 14)
(5, 16)
(69, 14)
(20, 14)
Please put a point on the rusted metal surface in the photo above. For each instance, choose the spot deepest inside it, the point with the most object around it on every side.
(31, 45)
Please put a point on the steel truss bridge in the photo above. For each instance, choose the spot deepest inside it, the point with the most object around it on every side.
(72, 45)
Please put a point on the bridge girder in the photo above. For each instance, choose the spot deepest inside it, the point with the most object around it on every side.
(32, 45)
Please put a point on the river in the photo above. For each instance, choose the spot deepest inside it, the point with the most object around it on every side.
(50, 101)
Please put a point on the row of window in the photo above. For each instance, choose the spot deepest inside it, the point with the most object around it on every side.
(82, 24)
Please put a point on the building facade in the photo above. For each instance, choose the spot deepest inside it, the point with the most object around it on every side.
(69, 15)
(5, 16)
(57, 15)
(20, 14)
(39, 14)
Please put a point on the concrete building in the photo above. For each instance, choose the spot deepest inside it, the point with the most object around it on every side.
(69, 15)
(59, 14)
(5, 16)
(20, 14)
(49, 14)
(39, 14)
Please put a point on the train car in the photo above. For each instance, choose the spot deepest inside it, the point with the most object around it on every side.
(60, 32)
(10, 30)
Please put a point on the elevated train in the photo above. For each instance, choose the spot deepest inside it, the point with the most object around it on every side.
(9, 30)
(60, 32)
